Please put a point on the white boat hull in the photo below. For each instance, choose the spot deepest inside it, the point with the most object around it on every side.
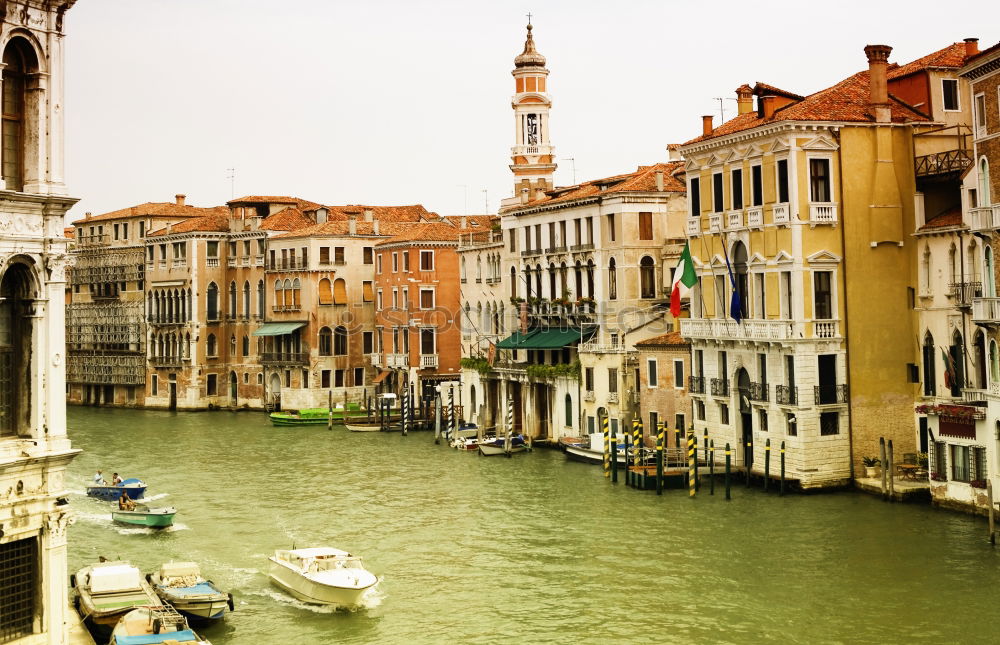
(307, 589)
(490, 450)
(362, 428)
(577, 453)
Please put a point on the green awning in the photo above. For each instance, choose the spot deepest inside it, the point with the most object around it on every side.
(515, 340)
(551, 339)
(277, 328)
(541, 339)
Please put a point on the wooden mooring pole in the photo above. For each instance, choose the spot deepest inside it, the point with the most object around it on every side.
(711, 467)
(659, 459)
(614, 456)
(728, 457)
(881, 460)
(781, 490)
(329, 410)
(989, 497)
(767, 463)
(892, 486)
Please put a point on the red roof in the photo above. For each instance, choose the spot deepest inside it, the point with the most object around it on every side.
(669, 338)
(478, 222)
(213, 223)
(343, 228)
(428, 232)
(642, 180)
(289, 219)
(162, 209)
(410, 213)
(951, 57)
(69, 232)
(948, 219)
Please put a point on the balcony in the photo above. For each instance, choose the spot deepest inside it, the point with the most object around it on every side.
(693, 226)
(830, 394)
(163, 264)
(759, 392)
(179, 263)
(601, 348)
(287, 264)
(720, 387)
(779, 213)
(582, 248)
(822, 213)
(734, 220)
(755, 217)
(527, 253)
(92, 240)
(280, 308)
(211, 262)
(710, 328)
(965, 292)
(258, 260)
(286, 358)
(612, 397)
(826, 329)
(245, 261)
(376, 360)
(428, 361)
(985, 219)
(696, 384)
(715, 222)
(589, 396)
(480, 238)
(786, 394)
(397, 361)
(230, 262)
(986, 311)
(942, 163)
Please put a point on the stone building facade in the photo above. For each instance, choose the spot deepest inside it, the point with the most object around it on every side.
(664, 362)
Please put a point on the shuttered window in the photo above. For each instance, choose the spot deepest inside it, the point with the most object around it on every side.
(645, 226)
(325, 292)
(367, 294)
(324, 255)
(339, 292)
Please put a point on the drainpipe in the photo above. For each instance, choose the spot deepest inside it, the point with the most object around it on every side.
(962, 289)
(845, 332)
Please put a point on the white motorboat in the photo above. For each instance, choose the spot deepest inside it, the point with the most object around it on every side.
(321, 575)
(502, 446)
(594, 454)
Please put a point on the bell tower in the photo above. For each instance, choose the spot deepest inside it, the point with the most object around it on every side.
(532, 154)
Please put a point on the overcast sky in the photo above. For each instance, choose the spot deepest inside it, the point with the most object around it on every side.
(404, 102)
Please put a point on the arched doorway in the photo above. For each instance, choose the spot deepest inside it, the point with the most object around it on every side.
(740, 275)
(274, 391)
(233, 389)
(746, 414)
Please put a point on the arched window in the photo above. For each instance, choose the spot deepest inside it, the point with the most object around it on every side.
(463, 274)
(925, 271)
(246, 345)
(538, 280)
(279, 294)
(210, 349)
(984, 174)
(339, 291)
(286, 293)
(952, 264)
(15, 348)
(479, 269)
(296, 289)
(246, 300)
(212, 308)
(552, 282)
(569, 411)
(325, 341)
(612, 280)
(989, 281)
(231, 312)
(590, 278)
(186, 350)
(472, 399)
(513, 282)
(232, 345)
(647, 277)
(955, 376)
(325, 292)
(340, 341)
(994, 363)
(19, 61)
(260, 298)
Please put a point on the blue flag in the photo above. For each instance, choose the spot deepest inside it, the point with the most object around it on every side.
(736, 304)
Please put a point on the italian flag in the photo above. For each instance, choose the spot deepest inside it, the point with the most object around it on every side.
(684, 279)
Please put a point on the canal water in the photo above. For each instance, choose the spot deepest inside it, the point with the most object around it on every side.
(532, 549)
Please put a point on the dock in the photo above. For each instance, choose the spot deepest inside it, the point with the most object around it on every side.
(904, 490)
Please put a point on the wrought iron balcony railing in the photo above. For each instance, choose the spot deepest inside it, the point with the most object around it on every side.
(830, 394)
(759, 392)
(787, 394)
(696, 384)
(720, 387)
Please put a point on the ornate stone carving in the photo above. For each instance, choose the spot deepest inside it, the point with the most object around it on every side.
(55, 267)
(59, 17)
(56, 524)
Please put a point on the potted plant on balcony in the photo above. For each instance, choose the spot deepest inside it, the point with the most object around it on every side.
(871, 465)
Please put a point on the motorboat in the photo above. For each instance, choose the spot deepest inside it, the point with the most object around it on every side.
(181, 585)
(132, 488)
(106, 591)
(142, 515)
(146, 625)
(470, 443)
(467, 430)
(317, 416)
(321, 575)
(502, 445)
(355, 426)
(593, 452)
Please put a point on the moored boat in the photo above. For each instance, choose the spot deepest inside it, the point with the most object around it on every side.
(132, 488)
(356, 426)
(107, 591)
(321, 575)
(316, 416)
(143, 515)
(502, 446)
(182, 585)
(593, 453)
(147, 625)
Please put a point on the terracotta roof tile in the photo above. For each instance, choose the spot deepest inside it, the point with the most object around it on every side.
(950, 57)
(411, 213)
(763, 89)
(478, 222)
(163, 209)
(669, 338)
(289, 219)
(642, 180)
(950, 218)
(213, 223)
(342, 227)
(69, 232)
(986, 52)
(427, 232)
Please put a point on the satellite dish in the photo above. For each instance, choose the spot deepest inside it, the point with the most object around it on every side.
(745, 400)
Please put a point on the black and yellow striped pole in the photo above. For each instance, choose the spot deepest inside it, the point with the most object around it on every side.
(659, 458)
(677, 438)
(746, 459)
(711, 467)
(639, 479)
(607, 448)
(614, 453)
(767, 463)
(728, 457)
(692, 472)
(781, 491)
(697, 479)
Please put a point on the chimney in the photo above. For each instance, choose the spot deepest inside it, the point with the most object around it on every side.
(87, 215)
(878, 60)
(465, 221)
(672, 153)
(369, 216)
(375, 227)
(352, 224)
(971, 47)
(659, 181)
(524, 195)
(706, 124)
(180, 199)
(768, 106)
(744, 99)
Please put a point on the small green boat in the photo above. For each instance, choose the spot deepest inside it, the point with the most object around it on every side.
(316, 416)
(143, 515)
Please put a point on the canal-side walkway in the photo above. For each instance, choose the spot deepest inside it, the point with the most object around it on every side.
(903, 490)
(78, 634)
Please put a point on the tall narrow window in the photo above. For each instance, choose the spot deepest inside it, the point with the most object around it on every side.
(823, 295)
(325, 292)
(340, 341)
(325, 342)
(929, 358)
(246, 299)
(15, 350)
(717, 192)
(783, 181)
(737, 190)
(212, 304)
(647, 277)
(17, 60)
(949, 92)
(260, 298)
(612, 280)
(819, 180)
(756, 185)
(645, 226)
(340, 291)
(694, 196)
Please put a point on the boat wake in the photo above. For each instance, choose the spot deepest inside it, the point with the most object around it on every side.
(153, 498)
(372, 598)
(146, 530)
(76, 491)
(95, 518)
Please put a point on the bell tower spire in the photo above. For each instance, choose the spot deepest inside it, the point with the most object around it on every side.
(532, 154)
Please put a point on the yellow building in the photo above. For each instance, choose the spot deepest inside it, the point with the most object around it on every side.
(805, 207)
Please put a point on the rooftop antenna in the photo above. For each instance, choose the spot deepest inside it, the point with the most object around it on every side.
(722, 110)
(573, 159)
(231, 176)
(486, 196)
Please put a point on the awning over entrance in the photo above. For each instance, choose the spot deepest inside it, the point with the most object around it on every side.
(541, 339)
(380, 377)
(277, 328)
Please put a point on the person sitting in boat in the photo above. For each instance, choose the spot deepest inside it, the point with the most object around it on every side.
(125, 504)
(116, 480)
(99, 479)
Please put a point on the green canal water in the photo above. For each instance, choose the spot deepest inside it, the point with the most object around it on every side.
(532, 549)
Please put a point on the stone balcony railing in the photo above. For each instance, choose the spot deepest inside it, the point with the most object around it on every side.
(986, 311)
(715, 222)
(612, 397)
(779, 214)
(601, 348)
(179, 263)
(755, 217)
(212, 262)
(428, 361)
(734, 220)
(589, 396)
(289, 358)
(985, 219)
(711, 328)
(822, 213)
(693, 226)
(397, 360)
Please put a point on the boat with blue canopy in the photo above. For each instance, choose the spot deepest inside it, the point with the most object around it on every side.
(131, 488)
(182, 585)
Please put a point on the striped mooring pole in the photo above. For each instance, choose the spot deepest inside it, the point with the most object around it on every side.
(451, 413)
(728, 458)
(607, 448)
(692, 443)
(614, 453)
(510, 416)
(767, 463)
(711, 467)
(659, 458)
(405, 404)
(636, 452)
